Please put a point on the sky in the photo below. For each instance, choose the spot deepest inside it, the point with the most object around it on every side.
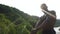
(32, 7)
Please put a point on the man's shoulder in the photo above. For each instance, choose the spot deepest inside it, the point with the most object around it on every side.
(52, 11)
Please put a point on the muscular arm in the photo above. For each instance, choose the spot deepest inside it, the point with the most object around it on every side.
(42, 18)
(40, 21)
(43, 24)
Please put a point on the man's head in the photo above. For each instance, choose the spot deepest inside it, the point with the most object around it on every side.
(44, 7)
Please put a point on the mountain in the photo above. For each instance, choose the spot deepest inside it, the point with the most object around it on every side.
(14, 21)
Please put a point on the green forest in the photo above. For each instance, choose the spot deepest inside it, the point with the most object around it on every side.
(15, 21)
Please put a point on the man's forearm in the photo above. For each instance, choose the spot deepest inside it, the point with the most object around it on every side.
(40, 21)
(48, 13)
(44, 23)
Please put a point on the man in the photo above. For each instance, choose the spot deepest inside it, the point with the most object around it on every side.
(46, 22)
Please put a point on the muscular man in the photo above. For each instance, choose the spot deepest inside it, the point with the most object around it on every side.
(46, 22)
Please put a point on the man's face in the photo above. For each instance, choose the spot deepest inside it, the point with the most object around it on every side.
(44, 7)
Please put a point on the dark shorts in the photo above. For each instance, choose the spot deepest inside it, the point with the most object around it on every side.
(48, 32)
